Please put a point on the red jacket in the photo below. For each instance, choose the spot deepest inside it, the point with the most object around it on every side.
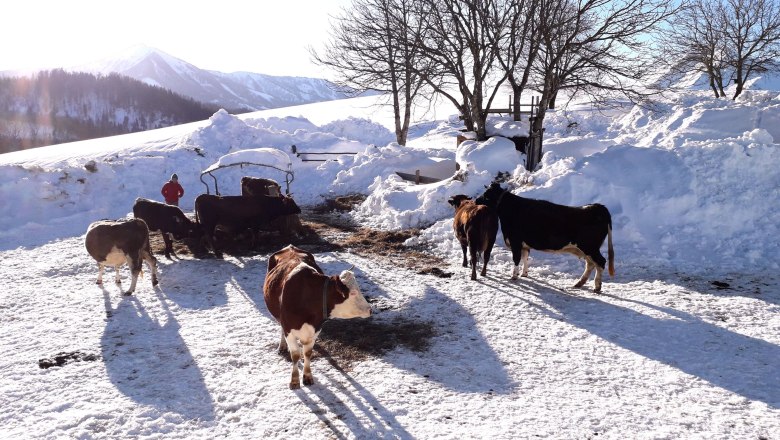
(171, 191)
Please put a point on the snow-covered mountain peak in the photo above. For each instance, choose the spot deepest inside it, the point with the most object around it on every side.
(239, 90)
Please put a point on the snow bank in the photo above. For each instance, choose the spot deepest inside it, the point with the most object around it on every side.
(689, 181)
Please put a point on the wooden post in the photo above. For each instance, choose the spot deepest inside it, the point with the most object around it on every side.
(417, 177)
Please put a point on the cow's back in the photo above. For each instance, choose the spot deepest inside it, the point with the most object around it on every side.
(292, 253)
(127, 236)
(255, 186)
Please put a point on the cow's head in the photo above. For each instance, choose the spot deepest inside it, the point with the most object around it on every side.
(354, 305)
(184, 227)
(289, 206)
(491, 196)
(457, 200)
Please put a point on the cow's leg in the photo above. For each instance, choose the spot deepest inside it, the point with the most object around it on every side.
(152, 263)
(135, 269)
(516, 268)
(295, 356)
(486, 256)
(524, 256)
(282, 343)
(474, 258)
(597, 280)
(116, 274)
(599, 262)
(168, 245)
(100, 273)
(464, 245)
(211, 241)
(308, 347)
(589, 266)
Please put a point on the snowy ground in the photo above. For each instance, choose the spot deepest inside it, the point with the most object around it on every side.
(664, 352)
(659, 355)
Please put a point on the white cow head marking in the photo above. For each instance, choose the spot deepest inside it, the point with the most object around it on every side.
(354, 305)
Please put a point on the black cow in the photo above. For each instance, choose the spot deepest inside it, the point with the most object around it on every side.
(538, 224)
(167, 219)
(238, 213)
(114, 243)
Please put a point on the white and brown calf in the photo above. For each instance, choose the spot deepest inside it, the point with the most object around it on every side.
(114, 243)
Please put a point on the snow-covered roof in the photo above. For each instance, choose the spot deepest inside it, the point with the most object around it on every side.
(256, 156)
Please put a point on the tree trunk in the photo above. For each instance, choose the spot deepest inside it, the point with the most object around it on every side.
(516, 91)
(553, 97)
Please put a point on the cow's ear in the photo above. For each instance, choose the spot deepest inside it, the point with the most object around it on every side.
(341, 288)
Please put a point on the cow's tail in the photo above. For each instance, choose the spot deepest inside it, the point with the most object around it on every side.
(610, 250)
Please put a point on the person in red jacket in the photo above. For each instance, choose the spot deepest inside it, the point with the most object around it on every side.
(172, 191)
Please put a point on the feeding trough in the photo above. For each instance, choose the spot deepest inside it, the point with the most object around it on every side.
(260, 157)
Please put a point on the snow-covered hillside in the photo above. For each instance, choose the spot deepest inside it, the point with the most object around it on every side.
(683, 342)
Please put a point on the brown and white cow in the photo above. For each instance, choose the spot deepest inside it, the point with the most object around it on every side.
(538, 224)
(475, 228)
(301, 298)
(114, 243)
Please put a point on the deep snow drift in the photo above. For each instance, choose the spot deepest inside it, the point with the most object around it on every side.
(693, 192)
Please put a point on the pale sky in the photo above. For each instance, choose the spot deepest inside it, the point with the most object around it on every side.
(261, 36)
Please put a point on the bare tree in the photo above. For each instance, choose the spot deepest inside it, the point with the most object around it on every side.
(596, 47)
(374, 46)
(694, 42)
(729, 40)
(752, 33)
(462, 40)
(519, 47)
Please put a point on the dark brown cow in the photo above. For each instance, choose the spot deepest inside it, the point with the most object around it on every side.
(238, 213)
(167, 219)
(301, 297)
(538, 224)
(475, 228)
(115, 243)
(257, 186)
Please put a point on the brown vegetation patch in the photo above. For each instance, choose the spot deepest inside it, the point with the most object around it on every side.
(347, 342)
(323, 229)
(341, 204)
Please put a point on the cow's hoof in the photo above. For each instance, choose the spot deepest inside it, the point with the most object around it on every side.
(118, 281)
(99, 283)
(155, 282)
(473, 278)
(597, 290)
(578, 285)
(308, 380)
(295, 385)
(129, 293)
(513, 278)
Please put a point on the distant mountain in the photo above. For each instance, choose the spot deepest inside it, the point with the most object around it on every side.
(232, 91)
